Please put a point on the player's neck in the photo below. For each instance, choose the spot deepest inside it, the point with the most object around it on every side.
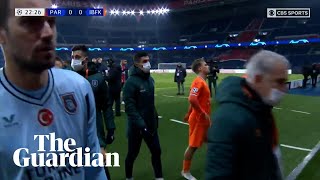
(204, 77)
(25, 79)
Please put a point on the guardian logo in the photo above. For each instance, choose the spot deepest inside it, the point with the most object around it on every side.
(64, 153)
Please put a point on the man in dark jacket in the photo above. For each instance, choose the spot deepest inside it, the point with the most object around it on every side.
(244, 144)
(125, 72)
(89, 70)
(179, 77)
(101, 65)
(141, 113)
(314, 75)
(213, 77)
(114, 81)
(306, 72)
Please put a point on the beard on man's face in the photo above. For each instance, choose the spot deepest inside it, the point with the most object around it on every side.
(35, 64)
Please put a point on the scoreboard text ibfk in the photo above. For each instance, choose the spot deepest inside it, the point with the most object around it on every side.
(60, 12)
(288, 13)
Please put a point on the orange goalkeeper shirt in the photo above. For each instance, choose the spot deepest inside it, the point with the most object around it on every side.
(200, 89)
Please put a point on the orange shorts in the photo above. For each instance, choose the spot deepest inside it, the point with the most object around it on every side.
(197, 133)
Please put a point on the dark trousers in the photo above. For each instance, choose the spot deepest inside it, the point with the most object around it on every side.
(134, 144)
(115, 98)
(107, 173)
(314, 80)
(214, 83)
(305, 79)
(122, 85)
(180, 84)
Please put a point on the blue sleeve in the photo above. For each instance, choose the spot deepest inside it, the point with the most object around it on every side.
(94, 173)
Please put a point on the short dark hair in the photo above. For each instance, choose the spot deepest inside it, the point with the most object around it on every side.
(139, 55)
(196, 64)
(58, 59)
(4, 12)
(82, 48)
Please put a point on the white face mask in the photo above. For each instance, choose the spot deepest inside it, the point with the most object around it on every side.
(274, 97)
(76, 64)
(147, 66)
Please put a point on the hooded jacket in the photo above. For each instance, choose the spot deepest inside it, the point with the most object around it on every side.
(243, 136)
(138, 95)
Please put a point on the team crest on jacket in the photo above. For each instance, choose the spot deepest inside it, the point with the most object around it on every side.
(94, 83)
(195, 90)
(69, 102)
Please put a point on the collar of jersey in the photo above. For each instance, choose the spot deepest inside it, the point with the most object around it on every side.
(202, 78)
(25, 97)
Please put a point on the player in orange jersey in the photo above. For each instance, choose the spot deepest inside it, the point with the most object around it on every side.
(198, 115)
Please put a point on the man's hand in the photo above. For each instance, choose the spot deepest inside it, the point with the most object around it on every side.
(186, 117)
(207, 116)
(110, 136)
(103, 151)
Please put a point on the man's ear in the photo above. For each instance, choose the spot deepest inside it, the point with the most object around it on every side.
(85, 61)
(258, 78)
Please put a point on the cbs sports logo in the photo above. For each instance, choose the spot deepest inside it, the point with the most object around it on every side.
(288, 13)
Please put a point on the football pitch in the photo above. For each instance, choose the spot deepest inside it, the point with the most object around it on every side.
(297, 119)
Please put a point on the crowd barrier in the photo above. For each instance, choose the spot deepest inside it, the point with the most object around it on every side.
(298, 83)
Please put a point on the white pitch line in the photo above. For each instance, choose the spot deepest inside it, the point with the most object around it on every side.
(294, 147)
(300, 112)
(283, 145)
(179, 122)
(277, 108)
(186, 85)
(166, 88)
(168, 96)
(298, 170)
(182, 97)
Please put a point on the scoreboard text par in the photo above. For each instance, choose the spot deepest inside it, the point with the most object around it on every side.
(60, 12)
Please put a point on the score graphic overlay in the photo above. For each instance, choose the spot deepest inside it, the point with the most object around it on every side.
(29, 12)
(60, 12)
(288, 12)
(75, 12)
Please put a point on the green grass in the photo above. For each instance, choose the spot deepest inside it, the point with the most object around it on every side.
(296, 129)
(311, 171)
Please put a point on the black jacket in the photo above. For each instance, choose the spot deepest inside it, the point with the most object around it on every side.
(213, 75)
(138, 95)
(114, 78)
(182, 74)
(241, 144)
